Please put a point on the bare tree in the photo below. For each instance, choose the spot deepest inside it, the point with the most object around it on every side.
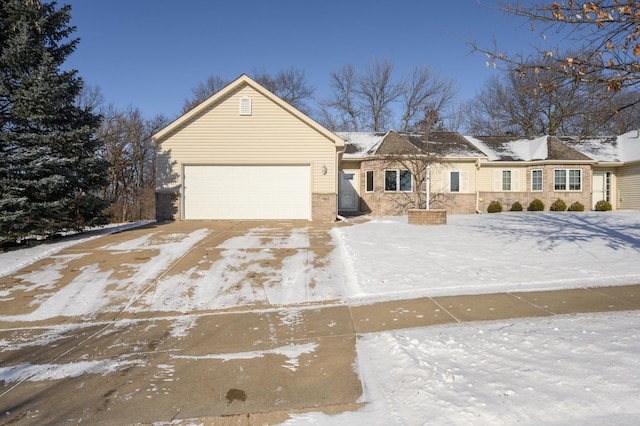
(127, 146)
(543, 103)
(605, 42)
(422, 91)
(377, 92)
(368, 100)
(289, 85)
(340, 111)
(203, 91)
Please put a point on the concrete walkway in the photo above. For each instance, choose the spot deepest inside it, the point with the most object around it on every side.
(238, 367)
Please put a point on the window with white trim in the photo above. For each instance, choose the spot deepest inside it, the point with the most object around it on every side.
(398, 180)
(536, 180)
(506, 180)
(369, 181)
(567, 179)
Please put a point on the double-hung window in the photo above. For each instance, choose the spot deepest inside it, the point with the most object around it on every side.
(506, 180)
(536, 180)
(397, 180)
(567, 179)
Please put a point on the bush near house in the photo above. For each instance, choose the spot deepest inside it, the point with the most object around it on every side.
(536, 205)
(494, 207)
(603, 206)
(576, 207)
(516, 207)
(558, 206)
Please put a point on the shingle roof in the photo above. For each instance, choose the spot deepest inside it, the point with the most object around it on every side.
(562, 151)
(363, 144)
(511, 148)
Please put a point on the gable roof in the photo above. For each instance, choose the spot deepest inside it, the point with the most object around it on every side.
(449, 144)
(360, 144)
(510, 148)
(623, 148)
(365, 144)
(217, 97)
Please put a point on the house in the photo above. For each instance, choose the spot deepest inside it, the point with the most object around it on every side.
(378, 177)
(385, 173)
(245, 154)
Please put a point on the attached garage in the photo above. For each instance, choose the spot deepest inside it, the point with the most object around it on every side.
(244, 153)
(247, 192)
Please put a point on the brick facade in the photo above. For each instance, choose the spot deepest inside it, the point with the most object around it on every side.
(324, 207)
(548, 194)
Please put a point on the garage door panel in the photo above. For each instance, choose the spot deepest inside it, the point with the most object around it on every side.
(247, 192)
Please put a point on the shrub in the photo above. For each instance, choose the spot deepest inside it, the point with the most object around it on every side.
(494, 207)
(558, 206)
(603, 206)
(536, 206)
(576, 207)
(516, 207)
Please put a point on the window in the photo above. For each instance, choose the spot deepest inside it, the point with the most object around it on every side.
(506, 180)
(567, 180)
(536, 180)
(369, 181)
(397, 180)
(454, 182)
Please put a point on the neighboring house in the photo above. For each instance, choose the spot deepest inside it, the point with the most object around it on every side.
(246, 154)
(616, 173)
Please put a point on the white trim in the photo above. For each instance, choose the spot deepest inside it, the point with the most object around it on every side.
(567, 181)
(541, 180)
(245, 105)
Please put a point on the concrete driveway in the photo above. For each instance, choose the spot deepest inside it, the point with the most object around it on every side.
(185, 321)
(176, 321)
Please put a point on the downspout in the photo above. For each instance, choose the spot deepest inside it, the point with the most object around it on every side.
(476, 184)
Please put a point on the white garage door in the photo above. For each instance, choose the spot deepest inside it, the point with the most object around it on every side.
(247, 192)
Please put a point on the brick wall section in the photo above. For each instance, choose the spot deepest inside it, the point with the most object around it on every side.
(167, 206)
(547, 196)
(324, 207)
(427, 217)
(454, 203)
(381, 203)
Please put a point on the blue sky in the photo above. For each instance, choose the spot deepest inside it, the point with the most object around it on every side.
(149, 54)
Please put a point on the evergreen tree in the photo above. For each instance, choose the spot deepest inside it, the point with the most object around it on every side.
(50, 169)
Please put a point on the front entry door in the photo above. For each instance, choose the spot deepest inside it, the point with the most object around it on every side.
(601, 187)
(348, 194)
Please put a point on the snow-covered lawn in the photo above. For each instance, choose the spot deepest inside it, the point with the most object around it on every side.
(557, 370)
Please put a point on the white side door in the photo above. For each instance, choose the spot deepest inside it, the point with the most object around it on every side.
(600, 187)
(348, 194)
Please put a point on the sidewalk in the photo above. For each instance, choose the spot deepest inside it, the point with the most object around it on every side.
(244, 367)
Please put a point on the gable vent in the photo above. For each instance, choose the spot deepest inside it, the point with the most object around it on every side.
(245, 105)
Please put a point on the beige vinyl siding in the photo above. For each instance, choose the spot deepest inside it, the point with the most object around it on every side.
(628, 187)
(490, 178)
(270, 135)
(440, 176)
